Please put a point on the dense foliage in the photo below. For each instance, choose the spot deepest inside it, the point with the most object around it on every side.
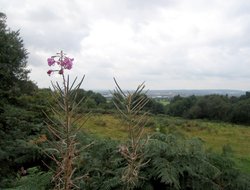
(173, 163)
(21, 119)
(212, 107)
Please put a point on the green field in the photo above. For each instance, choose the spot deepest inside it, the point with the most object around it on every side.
(107, 125)
(215, 135)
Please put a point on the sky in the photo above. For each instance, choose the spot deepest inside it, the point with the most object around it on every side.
(168, 44)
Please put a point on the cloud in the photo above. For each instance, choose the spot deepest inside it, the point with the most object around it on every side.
(49, 26)
(169, 44)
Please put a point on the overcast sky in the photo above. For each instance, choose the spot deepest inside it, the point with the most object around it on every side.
(169, 44)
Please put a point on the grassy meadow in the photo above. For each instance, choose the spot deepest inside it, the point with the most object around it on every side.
(217, 136)
(109, 126)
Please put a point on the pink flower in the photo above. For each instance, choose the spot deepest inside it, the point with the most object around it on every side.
(62, 61)
(51, 61)
(67, 63)
(49, 72)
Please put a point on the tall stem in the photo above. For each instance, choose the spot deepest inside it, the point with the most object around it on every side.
(66, 134)
(67, 164)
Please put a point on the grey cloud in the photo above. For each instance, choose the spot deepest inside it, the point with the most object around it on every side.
(155, 40)
(149, 4)
(238, 8)
(42, 15)
(51, 26)
(35, 60)
(54, 40)
(53, 35)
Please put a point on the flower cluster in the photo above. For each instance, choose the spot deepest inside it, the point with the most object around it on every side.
(62, 61)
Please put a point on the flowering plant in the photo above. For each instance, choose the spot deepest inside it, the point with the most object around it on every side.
(62, 61)
(64, 125)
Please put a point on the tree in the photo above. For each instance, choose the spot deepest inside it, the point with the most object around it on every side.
(154, 107)
(13, 60)
(214, 107)
(241, 112)
(179, 106)
(20, 120)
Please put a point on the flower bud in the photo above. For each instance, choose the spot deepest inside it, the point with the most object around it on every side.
(61, 72)
(49, 72)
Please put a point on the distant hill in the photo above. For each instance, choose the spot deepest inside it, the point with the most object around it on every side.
(186, 93)
(183, 93)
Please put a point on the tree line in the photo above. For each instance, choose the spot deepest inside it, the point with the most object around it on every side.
(212, 107)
